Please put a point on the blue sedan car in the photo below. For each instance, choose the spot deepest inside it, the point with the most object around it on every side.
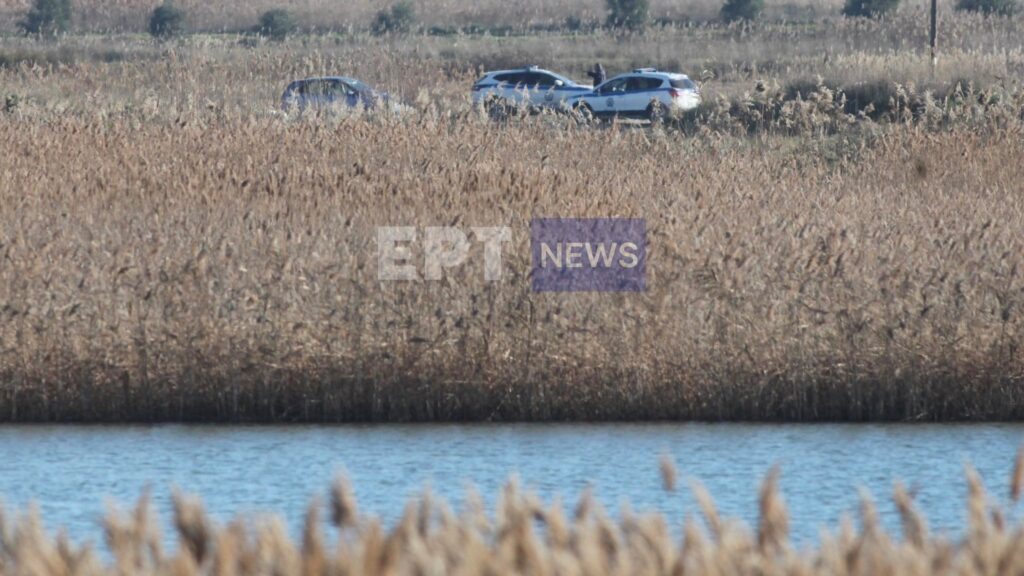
(331, 91)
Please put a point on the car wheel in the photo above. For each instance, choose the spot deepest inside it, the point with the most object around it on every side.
(656, 113)
(498, 108)
(584, 114)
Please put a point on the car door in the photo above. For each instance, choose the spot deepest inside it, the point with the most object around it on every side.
(543, 89)
(531, 88)
(510, 86)
(310, 94)
(318, 93)
(640, 91)
(339, 93)
(565, 92)
(609, 96)
(292, 96)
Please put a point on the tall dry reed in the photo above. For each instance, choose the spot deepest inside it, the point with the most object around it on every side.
(226, 269)
(523, 536)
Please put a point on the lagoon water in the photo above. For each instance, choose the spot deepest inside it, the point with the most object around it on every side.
(71, 472)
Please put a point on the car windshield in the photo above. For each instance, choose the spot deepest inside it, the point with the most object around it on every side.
(565, 81)
(684, 83)
(614, 85)
(359, 86)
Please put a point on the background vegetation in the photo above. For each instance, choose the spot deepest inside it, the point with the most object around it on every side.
(989, 7)
(399, 18)
(498, 16)
(733, 10)
(47, 18)
(276, 24)
(869, 8)
(167, 21)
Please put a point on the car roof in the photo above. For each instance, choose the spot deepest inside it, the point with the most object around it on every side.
(532, 69)
(646, 73)
(650, 73)
(347, 79)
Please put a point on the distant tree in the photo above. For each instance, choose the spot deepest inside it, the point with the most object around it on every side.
(734, 10)
(48, 17)
(399, 19)
(990, 7)
(629, 14)
(166, 21)
(869, 8)
(276, 24)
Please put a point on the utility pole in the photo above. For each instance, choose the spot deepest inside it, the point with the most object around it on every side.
(933, 34)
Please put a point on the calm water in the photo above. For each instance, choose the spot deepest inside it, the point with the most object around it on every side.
(71, 472)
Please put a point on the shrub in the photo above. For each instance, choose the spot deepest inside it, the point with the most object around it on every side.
(734, 10)
(869, 8)
(991, 7)
(11, 102)
(802, 88)
(276, 24)
(399, 19)
(166, 21)
(631, 14)
(48, 17)
(875, 98)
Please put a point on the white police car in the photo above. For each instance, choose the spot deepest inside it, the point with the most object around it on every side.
(528, 86)
(642, 93)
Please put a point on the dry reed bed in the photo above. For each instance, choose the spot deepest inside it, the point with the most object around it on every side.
(220, 268)
(526, 536)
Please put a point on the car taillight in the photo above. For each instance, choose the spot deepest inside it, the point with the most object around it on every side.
(675, 93)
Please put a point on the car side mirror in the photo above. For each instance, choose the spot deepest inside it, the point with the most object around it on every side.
(559, 83)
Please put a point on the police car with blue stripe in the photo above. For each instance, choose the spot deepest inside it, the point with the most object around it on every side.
(642, 93)
(530, 86)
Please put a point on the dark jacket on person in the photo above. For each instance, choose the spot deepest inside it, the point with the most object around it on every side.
(598, 74)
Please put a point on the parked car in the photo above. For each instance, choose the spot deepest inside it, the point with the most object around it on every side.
(331, 91)
(528, 86)
(642, 93)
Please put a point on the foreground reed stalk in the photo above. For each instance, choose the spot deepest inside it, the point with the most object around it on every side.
(524, 536)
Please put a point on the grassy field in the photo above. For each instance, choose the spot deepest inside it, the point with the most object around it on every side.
(173, 248)
(525, 535)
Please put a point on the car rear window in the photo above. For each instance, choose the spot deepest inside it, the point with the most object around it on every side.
(643, 83)
(511, 77)
(684, 83)
(530, 79)
(540, 79)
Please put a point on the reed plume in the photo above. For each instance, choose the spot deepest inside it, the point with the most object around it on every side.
(521, 537)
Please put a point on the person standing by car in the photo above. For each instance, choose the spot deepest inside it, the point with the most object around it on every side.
(598, 74)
